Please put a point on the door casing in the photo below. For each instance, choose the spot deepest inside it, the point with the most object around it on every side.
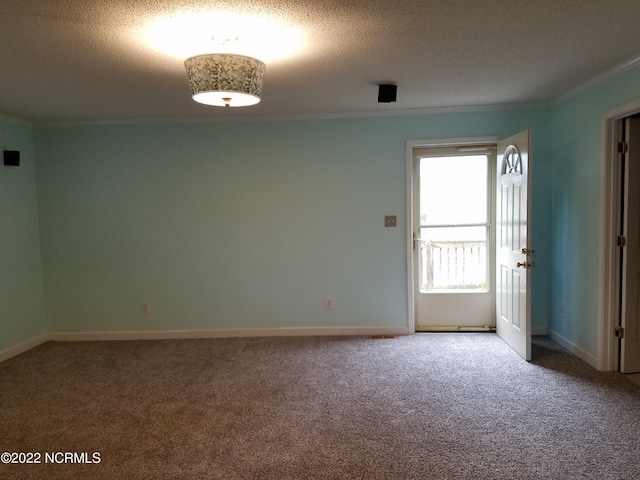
(410, 207)
(609, 279)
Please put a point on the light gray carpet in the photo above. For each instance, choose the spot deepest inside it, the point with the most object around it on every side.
(426, 406)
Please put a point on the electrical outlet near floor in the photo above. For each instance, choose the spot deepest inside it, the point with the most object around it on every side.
(146, 308)
(328, 303)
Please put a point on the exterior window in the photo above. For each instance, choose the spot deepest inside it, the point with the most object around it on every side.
(454, 223)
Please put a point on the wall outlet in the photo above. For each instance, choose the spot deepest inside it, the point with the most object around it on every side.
(146, 308)
(328, 303)
(561, 310)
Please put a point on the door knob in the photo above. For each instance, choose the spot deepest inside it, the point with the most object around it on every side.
(526, 264)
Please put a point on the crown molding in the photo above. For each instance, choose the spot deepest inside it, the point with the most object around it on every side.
(14, 120)
(598, 79)
(293, 117)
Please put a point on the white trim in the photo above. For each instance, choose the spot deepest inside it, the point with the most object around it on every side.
(574, 349)
(410, 146)
(296, 117)
(411, 306)
(444, 142)
(23, 347)
(608, 278)
(598, 79)
(218, 333)
(191, 334)
(226, 333)
(624, 110)
(17, 121)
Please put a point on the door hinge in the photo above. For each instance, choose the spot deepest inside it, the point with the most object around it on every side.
(619, 332)
(623, 147)
(622, 241)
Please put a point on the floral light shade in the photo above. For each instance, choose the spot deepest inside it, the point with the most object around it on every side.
(225, 80)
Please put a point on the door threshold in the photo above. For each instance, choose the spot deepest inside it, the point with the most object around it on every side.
(486, 328)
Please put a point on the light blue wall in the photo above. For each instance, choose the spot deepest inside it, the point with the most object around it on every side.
(252, 225)
(578, 126)
(245, 225)
(21, 301)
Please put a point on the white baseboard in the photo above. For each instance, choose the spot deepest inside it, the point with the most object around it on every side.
(225, 333)
(246, 332)
(23, 347)
(575, 349)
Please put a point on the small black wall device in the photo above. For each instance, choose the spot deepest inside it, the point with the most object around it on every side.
(11, 158)
(387, 93)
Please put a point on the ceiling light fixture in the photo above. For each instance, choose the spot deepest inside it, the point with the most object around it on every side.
(225, 80)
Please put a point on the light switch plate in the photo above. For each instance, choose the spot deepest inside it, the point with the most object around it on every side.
(390, 221)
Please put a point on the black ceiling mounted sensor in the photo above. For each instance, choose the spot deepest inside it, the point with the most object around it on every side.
(387, 92)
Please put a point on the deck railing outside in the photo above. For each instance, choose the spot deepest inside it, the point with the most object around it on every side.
(452, 265)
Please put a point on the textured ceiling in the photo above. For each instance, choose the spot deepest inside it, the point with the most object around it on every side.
(90, 61)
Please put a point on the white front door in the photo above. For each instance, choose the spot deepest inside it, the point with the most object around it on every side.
(513, 246)
(630, 311)
(453, 237)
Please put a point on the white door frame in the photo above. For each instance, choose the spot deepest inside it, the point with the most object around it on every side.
(609, 278)
(411, 144)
